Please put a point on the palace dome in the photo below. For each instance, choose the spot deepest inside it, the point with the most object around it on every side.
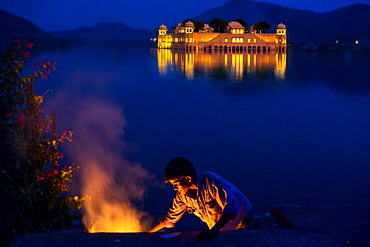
(189, 24)
(235, 24)
(281, 26)
(162, 27)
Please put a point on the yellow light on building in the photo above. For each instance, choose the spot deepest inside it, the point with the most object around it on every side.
(356, 42)
(337, 41)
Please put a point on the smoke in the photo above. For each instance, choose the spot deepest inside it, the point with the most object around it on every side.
(116, 186)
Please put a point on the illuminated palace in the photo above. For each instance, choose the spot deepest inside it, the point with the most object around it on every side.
(234, 38)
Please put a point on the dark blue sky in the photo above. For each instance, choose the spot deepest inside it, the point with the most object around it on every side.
(53, 15)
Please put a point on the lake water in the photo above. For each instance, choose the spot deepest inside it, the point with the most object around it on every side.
(284, 128)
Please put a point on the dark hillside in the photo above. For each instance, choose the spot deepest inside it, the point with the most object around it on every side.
(15, 27)
(113, 33)
(350, 23)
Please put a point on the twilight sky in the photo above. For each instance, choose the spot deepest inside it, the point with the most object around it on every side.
(52, 15)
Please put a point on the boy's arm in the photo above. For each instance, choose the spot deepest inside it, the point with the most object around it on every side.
(173, 214)
(209, 234)
(157, 228)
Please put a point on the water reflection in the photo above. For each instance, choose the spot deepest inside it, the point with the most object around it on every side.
(235, 65)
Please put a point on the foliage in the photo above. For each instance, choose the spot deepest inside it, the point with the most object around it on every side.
(242, 22)
(32, 182)
(218, 25)
(261, 26)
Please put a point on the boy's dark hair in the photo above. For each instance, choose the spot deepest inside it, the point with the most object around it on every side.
(179, 167)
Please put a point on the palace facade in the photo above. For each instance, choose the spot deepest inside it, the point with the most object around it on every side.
(235, 38)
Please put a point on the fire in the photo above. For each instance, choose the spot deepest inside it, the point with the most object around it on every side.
(115, 185)
(109, 209)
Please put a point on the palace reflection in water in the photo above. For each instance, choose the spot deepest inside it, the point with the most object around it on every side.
(236, 66)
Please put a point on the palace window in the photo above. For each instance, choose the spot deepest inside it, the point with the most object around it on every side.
(226, 40)
(238, 40)
(255, 40)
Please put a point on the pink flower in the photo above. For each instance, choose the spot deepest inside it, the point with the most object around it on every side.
(21, 118)
(27, 43)
(26, 54)
(60, 155)
(37, 64)
(39, 179)
(16, 41)
(44, 77)
(9, 114)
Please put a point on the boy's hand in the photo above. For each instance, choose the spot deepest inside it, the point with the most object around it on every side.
(207, 235)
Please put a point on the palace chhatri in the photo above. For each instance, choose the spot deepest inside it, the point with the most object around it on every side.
(234, 38)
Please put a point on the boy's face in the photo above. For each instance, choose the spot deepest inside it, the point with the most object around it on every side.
(182, 185)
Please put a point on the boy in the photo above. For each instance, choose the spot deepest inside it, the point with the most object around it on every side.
(209, 196)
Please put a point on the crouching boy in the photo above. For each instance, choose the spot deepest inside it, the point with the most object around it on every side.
(209, 196)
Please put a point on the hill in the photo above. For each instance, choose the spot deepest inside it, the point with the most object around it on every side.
(345, 24)
(112, 33)
(15, 27)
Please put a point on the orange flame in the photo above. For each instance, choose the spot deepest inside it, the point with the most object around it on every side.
(105, 212)
(114, 184)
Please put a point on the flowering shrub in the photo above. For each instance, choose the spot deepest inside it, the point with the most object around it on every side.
(32, 182)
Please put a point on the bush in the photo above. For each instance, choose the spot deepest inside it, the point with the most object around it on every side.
(33, 185)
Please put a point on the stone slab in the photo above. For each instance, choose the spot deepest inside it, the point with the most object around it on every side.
(333, 226)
